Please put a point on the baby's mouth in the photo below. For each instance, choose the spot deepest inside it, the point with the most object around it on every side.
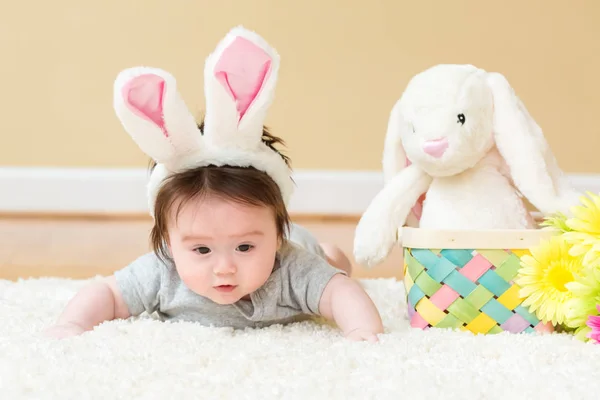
(225, 288)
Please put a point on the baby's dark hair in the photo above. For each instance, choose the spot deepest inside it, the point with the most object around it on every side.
(245, 185)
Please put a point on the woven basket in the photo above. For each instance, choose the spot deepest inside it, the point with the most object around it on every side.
(464, 279)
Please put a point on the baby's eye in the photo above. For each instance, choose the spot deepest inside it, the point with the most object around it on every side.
(202, 250)
(461, 119)
(244, 248)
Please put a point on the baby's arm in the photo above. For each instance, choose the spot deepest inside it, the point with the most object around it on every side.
(346, 303)
(320, 284)
(130, 291)
(98, 302)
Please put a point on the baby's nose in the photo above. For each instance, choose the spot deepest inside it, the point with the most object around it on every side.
(225, 267)
(436, 148)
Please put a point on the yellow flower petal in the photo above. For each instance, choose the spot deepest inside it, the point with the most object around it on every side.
(544, 278)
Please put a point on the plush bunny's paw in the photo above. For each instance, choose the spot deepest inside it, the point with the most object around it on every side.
(373, 241)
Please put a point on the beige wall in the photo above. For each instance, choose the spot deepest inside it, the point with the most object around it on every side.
(344, 63)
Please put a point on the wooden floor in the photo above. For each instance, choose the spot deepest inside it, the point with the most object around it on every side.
(83, 247)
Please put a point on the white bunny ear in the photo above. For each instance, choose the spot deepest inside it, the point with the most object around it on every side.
(151, 110)
(521, 142)
(394, 157)
(239, 80)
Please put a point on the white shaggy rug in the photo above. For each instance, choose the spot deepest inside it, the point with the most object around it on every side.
(153, 360)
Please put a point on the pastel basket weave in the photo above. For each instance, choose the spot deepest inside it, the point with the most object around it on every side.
(464, 280)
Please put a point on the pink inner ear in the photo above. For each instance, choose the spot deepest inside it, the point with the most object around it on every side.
(242, 70)
(418, 208)
(144, 96)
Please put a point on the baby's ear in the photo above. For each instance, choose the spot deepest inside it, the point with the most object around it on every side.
(239, 80)
(151, 110)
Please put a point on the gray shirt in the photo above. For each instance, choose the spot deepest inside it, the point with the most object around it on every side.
(291, 293)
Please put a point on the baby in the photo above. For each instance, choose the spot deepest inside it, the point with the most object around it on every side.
(221, 258)
(224, 250)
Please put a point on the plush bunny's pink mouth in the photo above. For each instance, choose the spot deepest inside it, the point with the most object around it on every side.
(436, 148)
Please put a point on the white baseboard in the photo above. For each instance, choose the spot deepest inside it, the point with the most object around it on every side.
(123, 190)
(104, 190)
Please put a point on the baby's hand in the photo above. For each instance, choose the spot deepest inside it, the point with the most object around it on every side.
(61, 331)
(362, 335)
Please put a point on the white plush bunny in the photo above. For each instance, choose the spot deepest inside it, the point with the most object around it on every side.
(474, 152)
(239, 81)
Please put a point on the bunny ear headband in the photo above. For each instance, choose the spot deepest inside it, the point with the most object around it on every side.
(239, 81)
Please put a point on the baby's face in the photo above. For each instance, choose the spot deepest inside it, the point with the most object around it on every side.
(223, 250)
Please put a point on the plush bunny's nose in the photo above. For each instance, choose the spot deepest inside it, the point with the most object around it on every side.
(436, 148)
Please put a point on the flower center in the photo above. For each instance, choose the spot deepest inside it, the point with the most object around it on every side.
(558, 277)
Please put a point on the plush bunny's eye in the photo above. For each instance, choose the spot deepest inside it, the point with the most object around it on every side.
(461, 119)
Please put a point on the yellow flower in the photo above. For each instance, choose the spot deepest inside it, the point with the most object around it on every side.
(543, 276)
(586, 295)
(585, 230)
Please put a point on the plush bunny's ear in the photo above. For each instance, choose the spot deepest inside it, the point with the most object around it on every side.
(521, 142)
(239, 80)
(394, 157)
(152, 112)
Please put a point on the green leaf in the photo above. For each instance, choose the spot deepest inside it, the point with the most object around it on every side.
(556, 221)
